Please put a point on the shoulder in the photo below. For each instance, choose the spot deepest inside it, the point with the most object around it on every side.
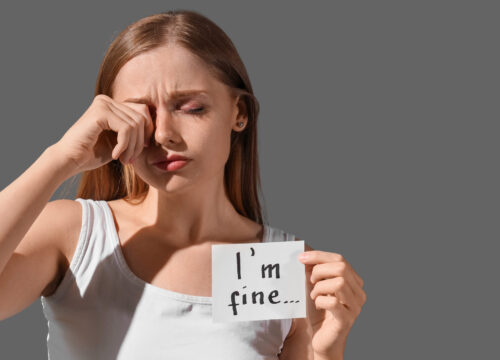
(67, 218)
(65, 215)
(61, 221)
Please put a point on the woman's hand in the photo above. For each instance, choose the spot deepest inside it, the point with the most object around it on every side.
(107, 130)
(338, 298)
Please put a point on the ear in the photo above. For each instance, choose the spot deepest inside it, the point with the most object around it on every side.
(240, 113)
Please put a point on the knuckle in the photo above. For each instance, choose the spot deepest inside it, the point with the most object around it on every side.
(350, 322)
(101, 97)
(342, 267)
(317, 302)
(139, 121)
(314, 274)
(145, 108)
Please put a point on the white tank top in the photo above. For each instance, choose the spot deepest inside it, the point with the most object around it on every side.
(102, 310)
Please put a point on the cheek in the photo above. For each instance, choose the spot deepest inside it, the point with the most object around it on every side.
(214, 146)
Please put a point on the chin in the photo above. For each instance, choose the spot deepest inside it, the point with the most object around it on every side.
(169, 183)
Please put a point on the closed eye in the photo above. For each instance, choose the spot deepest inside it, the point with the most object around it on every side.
(196, 111)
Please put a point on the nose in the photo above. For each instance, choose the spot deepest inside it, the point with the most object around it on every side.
(165, 131)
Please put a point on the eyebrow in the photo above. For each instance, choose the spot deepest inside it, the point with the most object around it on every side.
(173, 95)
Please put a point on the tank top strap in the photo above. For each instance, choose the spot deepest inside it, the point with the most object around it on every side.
(93, 244)
(276, 234)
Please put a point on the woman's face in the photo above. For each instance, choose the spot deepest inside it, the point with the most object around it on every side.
(197, 126)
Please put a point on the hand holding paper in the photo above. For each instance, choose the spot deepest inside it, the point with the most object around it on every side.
(338, 295)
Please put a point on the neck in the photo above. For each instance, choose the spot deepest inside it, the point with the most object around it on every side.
(191, 215)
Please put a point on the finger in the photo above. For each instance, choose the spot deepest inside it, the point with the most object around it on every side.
(329, 270)
(337, 286)
(115, 123)
(143, 112)
(131, 149)
(129, 152)
(140, 118)
(140, 138)
(358, 278)
(138, 124)
(318, 257)
(321, 257)
(332, 303)
(343, 269)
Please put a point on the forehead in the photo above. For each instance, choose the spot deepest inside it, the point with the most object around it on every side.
(164, 70)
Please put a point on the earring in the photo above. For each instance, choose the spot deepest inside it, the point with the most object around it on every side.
(240, 124)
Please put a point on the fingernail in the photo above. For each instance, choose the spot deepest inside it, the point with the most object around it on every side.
(303, 256)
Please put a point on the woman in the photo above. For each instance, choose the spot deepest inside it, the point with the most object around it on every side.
(168, 156)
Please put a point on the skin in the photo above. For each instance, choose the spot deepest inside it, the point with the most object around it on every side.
(193, 197)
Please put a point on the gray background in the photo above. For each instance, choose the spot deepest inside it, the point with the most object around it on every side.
(378, 140)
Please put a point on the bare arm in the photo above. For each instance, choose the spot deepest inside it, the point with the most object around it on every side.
(31, 230)
(22, 201)
(36, 236)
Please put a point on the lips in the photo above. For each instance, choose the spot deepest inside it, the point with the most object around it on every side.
(170, 158)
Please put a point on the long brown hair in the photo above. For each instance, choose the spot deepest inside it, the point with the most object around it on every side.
(210, 43)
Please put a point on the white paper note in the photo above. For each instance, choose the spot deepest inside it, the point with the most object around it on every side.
(258, 281)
